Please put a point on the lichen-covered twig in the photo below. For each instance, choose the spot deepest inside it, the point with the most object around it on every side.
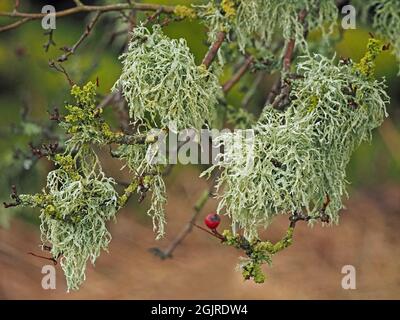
(187, 229)
(58, 67)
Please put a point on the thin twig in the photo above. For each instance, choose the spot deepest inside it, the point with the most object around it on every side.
(43, 257)
(322, 216)
(238, 75)
(279, 95)
(212, 52)
(58, 67)
(50, 41)
(83, 8)
(85, 34)
(214, 233)
(78, 3)
(15, 24)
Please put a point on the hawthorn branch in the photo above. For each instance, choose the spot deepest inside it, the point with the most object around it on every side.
(85, 34)
(58, 67)
(15, 24)
(25, 17)
(212, 52)
(299, 216)
(14, 195)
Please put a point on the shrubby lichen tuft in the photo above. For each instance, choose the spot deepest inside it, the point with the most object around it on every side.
(84, 121)
(301, 154)
(160, 79)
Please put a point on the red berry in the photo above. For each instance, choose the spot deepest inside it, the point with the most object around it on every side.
(212, 220)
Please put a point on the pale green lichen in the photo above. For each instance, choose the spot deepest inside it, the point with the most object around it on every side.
(160, 79)
(255, 22)
(75, 206)
(300, 155)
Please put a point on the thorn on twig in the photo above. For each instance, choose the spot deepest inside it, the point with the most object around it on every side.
(60, 68)
(386, 46)
(213, 232)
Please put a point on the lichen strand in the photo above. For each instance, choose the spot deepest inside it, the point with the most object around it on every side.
(254, 22)
(300, 155)
(258, 253)
(160, 79)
